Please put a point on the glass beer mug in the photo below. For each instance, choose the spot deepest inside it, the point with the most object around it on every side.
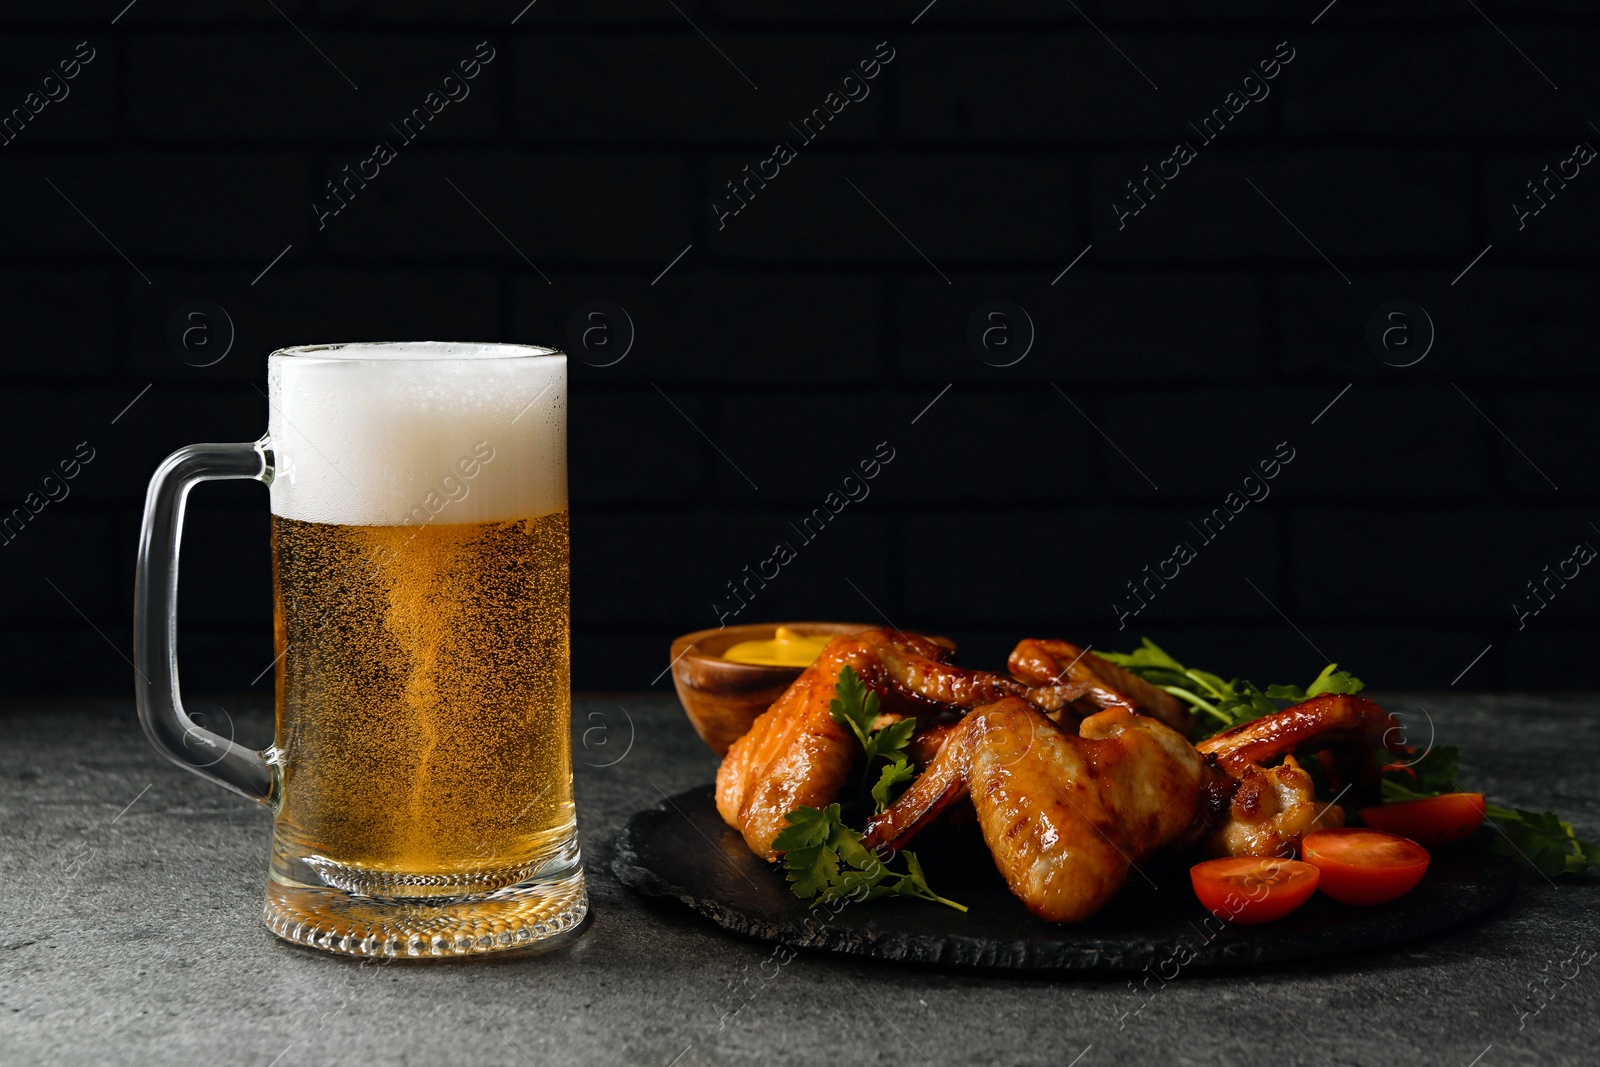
(421, 773)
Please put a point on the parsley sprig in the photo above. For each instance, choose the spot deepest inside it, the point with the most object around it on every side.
(856, 708)
(826, 863)
(1544, 840)
(1225, 703)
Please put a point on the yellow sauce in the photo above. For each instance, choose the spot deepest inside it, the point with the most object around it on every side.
(786, 649)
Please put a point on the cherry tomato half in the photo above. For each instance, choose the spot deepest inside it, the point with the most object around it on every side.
(1364, 866)
(1251, 889)
(1431, 821)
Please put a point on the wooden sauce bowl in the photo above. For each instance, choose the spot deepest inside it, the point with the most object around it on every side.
(723, 698)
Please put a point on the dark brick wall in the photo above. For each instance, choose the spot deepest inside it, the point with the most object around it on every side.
(825, 317)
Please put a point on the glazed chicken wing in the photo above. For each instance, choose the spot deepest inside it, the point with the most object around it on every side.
(1065, 815)
(1050, 662)
(1320, 722)
(1272, 808)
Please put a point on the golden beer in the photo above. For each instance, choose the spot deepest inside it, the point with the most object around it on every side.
(422, 763)
(423, 718)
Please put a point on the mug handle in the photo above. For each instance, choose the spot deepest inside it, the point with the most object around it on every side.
(155, 618)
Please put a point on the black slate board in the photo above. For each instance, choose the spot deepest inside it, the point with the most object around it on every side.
(681, 848)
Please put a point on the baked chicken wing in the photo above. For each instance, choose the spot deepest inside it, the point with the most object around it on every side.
(1066, 815)
(1272, 807)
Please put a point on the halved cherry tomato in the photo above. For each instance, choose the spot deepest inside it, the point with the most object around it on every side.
(1364, 866)
(1431, 821)
(1250, 889)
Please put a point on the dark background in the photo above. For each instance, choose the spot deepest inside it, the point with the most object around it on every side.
(776, 352)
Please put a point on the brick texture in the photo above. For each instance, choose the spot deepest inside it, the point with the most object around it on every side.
(780, 335)
(977, 88)
(583, 88)
(201, 85)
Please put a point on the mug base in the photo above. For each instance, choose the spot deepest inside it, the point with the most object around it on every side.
(519, 918)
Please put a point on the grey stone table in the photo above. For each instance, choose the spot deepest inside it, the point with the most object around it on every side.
(132, 934)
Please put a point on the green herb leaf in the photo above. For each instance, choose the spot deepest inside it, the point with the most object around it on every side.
(856, 707)
(894, 772)
(889, 742)
(853, 705)
(1247, 704)
(915, 884)
(1224, 704)
(1541, 838)
(1393, 792)
(826, 862)
(810, 864)
(1149, 656)
(1430, 775)
(808, 828)
(1333, 680)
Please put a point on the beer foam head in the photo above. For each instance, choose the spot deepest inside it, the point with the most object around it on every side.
(417, 432)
